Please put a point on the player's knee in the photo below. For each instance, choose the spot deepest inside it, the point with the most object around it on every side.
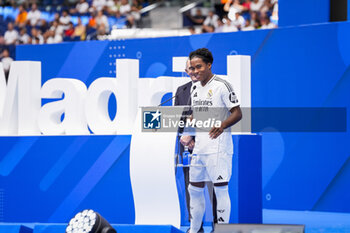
(221, 184)
(194, 191)
(198, 184)
(196, 196)
(223, 188)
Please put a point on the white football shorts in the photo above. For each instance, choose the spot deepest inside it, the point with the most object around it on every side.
(216, 168)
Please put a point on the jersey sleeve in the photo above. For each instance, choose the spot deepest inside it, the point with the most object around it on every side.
(228, 96)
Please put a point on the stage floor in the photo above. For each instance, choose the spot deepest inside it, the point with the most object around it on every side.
(59, 228)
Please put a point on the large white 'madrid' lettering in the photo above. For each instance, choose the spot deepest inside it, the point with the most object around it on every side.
(20, 100)
(72, 106)
(87, 108)
(96, 107)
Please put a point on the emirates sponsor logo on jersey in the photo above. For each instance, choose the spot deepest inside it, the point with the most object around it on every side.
(203, 102)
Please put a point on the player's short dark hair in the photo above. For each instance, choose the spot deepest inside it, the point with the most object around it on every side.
(204, 54)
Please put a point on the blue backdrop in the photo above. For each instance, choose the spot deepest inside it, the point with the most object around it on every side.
(49, 179)
(291, 67)
(293, 13)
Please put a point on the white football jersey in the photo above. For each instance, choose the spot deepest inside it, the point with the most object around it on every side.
(219, 96)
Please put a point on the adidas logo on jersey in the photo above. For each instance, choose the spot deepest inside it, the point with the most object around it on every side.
(195, 94)
(220, 178)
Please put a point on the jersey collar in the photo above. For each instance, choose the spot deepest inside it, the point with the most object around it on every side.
(211, 79)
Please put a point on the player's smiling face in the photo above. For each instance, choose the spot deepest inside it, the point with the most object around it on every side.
(201, 70)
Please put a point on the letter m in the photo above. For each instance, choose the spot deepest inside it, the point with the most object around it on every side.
(20, 99)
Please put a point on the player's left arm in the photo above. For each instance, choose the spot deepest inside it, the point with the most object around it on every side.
(234, 117)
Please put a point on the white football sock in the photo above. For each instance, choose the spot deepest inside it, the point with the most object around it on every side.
(197, 204)
(223, 204)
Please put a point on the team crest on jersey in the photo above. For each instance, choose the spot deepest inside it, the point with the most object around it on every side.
(210, 93)
(233, 98)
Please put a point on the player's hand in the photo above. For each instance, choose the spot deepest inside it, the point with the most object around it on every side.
(215, 132)
(191, 145)
(185, 140)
